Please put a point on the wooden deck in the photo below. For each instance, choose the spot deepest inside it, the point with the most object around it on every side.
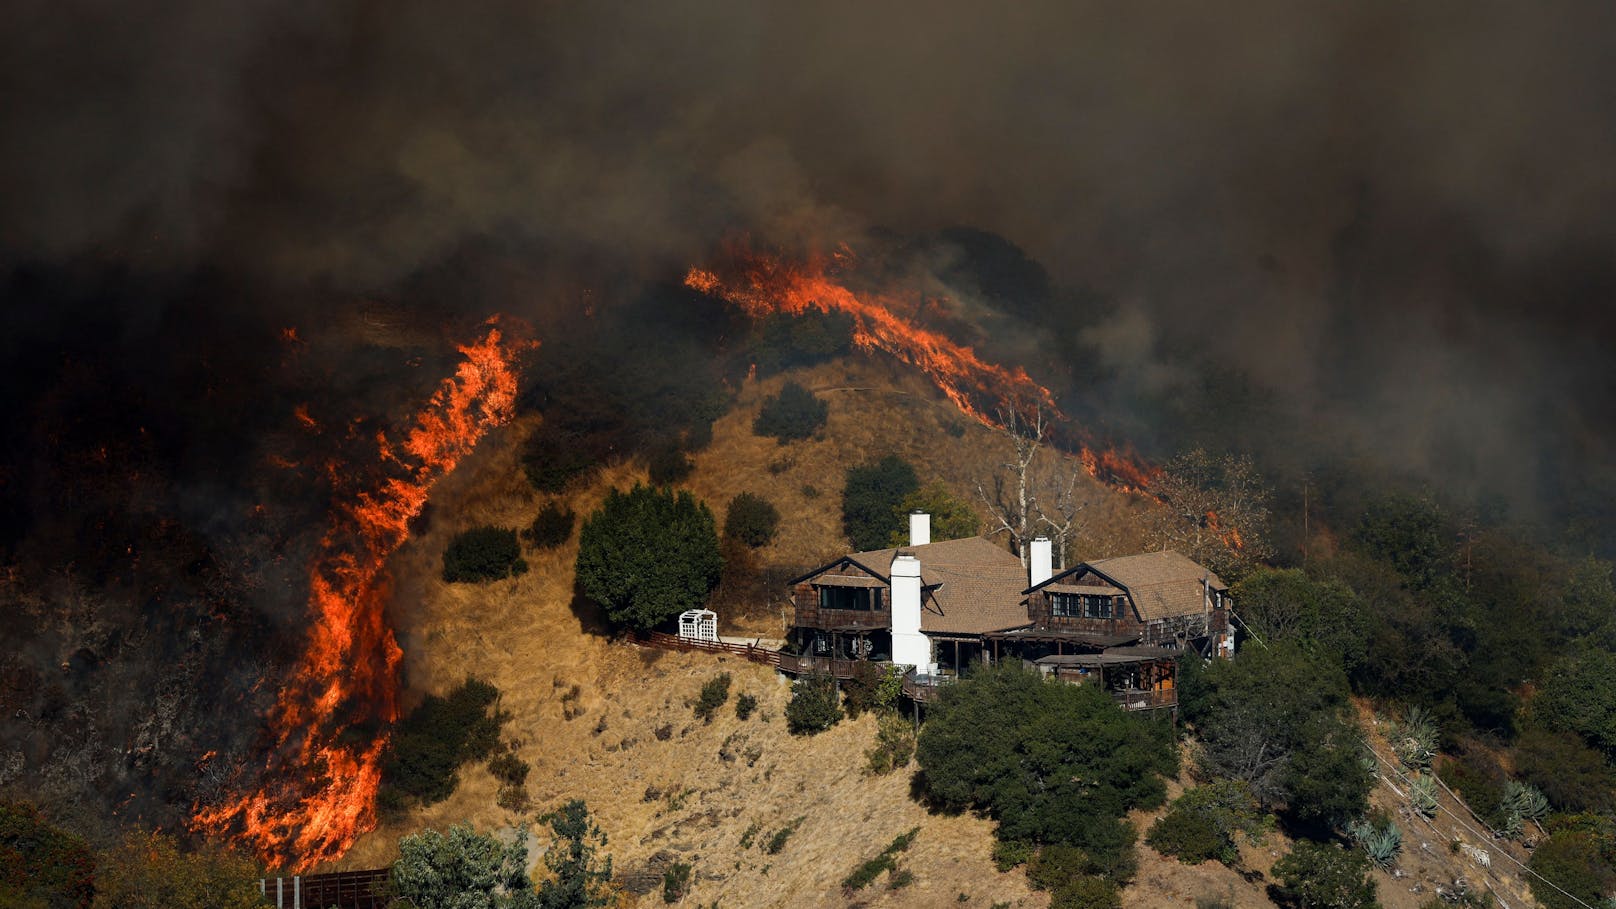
(341, 890)
(750, 652)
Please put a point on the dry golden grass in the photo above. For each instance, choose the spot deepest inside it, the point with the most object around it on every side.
(680, 794)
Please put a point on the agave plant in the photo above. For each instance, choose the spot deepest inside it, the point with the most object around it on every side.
(1415, 741)
(1422, 795)
(1521, 803)
(1381, 844)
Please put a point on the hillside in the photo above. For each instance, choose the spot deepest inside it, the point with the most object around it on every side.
(611, 723)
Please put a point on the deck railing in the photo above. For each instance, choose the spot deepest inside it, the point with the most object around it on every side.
(751, 652)
(804, 664)
(1141, 699)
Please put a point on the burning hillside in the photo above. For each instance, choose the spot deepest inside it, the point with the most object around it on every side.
(317, 791)
(761, 283)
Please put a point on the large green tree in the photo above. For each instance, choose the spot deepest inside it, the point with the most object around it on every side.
(871, 499)
(1323, 616)
(1277, 718)
(1579, 695)
(952, 518)
(648, 554)
(1051, 762)
(463, 870)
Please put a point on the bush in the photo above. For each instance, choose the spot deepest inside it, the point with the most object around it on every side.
(462, 868)
(1575, 861)
(865, 874)
(871, 498)
(1075, 879)
(668, 464)
(785, 339)
(41, 865)
(894, 745)
(552, 527)
(509, 769)
(150, 869)
(794, 413)
(648, 555)
(778, 841)
(1008, 854)
(751, 520)
(438, 736)
(1574, 776)
(676, 882)
(874, 686)
(714, 695)
(553, 457)
(1203, 821)
(1316, 876)
(1379, 838)
(744, 705)
(483, 554)
(814, 705)
(1477, 778)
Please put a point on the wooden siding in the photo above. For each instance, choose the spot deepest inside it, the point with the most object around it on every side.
(805, 600)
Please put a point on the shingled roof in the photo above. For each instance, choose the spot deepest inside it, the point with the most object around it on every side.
(1161, 584)
(972, 586)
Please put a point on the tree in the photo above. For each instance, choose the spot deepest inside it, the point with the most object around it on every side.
(577, 877)
(150, 871)
(1051, 762)
(647, 555)
(41, 865)
(750, 519)
(483, 554)
(870, 500)
(1320, 615)
(1317, 876)
(1411, 534)
(1215, 510)
(794, 413)
(1028, 499)
(463, 870)
(952, 518)
(1277, 719)
(1576, 862)
(1579, 695)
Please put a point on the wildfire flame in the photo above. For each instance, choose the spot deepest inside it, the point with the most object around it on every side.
(318, 788)
(761, 284)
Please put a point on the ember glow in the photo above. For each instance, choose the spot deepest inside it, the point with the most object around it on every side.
(317, 792)
(761, 284)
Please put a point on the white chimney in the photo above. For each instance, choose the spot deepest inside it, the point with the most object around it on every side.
(1040, 565)
(919, 528)
(909, 646)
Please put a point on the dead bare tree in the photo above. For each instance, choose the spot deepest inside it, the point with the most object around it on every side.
(1030, 496)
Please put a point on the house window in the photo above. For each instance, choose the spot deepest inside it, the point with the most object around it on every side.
(862, 599)
(1096, 606)
(1064, 605)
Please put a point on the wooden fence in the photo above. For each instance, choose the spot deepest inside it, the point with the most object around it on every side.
(745, 651)
(339, 890)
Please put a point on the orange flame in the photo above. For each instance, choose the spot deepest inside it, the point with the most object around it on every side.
(1229, 535)
(317, 793)
(761, 284)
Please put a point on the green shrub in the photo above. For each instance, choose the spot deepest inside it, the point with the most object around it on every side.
(509, 769)
(744, 705)
(714, 695)
(750, 519)
(1573, 775)
(552, 527)
(794, 413)
(865, 874)
(813, 706)
(874, 686)
(778, 841)
(1008, 854)
(1086, 892)
(952, 518)
(1576, 861)
(784, 340)
(1479, 780)
(900, 879)
(483, 554)
(676, 882)
(1317, 876)
(1191, 836)
(871, 498)
(894, 745)
(1203, 821)
(1379, 839)
(439, 735)
(668, 464)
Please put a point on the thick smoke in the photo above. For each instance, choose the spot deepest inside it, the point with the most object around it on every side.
(1388, 224)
